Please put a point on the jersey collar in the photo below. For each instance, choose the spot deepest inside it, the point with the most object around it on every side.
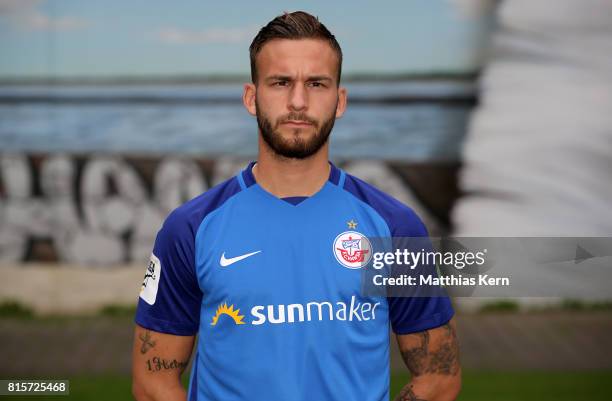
(249, 179)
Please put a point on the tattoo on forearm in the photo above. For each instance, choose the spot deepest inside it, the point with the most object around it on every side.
(442, 360)
(147, 342)
(157, 364)
(407, 394)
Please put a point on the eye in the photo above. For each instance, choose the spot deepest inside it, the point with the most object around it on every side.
(280, 83)
(316, 84)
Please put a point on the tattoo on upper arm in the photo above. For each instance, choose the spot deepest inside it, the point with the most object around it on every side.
(157, 364)
(416, 358)
(407, 394)
(147, 342)
(442, 359)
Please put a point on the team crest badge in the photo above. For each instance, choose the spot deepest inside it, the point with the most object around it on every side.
(352, 249)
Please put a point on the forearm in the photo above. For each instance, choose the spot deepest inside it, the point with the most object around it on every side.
(171, 393)
(431, 388)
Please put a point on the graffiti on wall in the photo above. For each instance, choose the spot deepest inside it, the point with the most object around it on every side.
(103, 210)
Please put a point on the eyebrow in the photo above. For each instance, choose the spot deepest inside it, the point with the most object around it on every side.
(288, 78)
(319, 78)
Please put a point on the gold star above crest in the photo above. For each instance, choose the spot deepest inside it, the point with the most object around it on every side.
(352, 224)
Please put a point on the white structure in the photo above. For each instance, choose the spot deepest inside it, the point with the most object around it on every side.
(538, 156)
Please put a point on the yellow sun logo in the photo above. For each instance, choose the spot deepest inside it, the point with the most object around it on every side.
(223, 309)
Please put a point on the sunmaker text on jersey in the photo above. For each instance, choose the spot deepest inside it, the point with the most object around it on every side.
(297, 313)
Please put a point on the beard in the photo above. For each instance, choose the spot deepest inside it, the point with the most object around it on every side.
(295, 147)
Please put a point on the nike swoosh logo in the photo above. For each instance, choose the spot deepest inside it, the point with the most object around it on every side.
(226, 262)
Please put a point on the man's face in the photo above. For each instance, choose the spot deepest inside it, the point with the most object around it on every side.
(296, 96)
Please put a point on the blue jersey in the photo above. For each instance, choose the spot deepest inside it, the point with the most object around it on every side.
(272, 288)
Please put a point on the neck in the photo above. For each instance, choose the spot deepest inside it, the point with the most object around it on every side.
(284, 177)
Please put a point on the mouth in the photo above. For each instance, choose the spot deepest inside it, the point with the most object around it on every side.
(297, 123)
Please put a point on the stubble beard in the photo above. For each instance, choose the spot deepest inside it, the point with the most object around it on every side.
(296, 147)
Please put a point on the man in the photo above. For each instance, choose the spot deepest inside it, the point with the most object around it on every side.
(265, 266)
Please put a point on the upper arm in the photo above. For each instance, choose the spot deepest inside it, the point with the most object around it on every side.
(168, 314)
(423, 321)
(158, 360)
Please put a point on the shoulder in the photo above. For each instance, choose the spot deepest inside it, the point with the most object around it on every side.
(400, 218)
(187, 217)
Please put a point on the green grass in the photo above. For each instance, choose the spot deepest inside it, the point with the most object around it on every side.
(128, 311)
(578, 305)
(501, 305)
(13, 309)
(566, 305)
(527, 386)
(477, 386)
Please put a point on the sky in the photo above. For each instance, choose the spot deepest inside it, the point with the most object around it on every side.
(91, 38)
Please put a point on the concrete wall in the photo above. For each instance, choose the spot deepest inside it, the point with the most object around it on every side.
(70, 290)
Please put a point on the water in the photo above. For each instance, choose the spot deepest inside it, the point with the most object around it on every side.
(410, 121)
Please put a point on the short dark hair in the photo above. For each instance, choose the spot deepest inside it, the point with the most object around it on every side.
(295, 25)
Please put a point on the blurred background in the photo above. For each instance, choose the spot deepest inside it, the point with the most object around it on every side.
(489, 118)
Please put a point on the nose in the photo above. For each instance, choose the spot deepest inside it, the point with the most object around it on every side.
(298, 98)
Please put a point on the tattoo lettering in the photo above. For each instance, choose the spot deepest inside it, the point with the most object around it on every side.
(147, 342)
(407, 394)
(444, 359)
(157, 364)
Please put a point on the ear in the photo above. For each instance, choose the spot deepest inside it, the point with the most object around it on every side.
(248, 98)
(342, 98)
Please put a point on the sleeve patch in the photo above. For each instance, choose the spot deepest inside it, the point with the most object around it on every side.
(150, 284)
